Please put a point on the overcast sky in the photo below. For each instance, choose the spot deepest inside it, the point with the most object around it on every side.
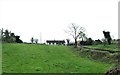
(29, 18)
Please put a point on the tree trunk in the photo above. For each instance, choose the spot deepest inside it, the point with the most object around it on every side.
(75, 43)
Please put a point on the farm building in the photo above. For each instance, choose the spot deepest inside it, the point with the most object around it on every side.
(55, 42)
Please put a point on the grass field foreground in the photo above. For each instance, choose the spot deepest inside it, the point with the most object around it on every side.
(32, 58)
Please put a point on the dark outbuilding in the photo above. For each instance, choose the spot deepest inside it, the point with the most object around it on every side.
(58, 42)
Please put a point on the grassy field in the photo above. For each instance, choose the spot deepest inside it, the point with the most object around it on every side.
(112, 47)
(31, 58)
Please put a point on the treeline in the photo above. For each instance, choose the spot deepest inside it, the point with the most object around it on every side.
(90, 41)
(9, 37)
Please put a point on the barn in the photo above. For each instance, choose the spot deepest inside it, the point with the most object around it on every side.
(55, 42)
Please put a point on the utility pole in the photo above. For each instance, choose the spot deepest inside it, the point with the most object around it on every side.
(40, 37)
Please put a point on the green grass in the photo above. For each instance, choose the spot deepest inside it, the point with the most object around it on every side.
(112, 47)
(31, 58)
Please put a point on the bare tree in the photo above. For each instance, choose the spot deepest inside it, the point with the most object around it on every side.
(36, 41)
(75, 31)
(32, 40)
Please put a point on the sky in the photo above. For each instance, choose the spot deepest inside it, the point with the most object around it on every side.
(48, 19)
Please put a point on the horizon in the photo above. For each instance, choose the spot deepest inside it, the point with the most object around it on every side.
(49, 19)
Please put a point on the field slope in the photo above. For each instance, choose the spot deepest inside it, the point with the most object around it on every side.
(112, 47)
(32, 58)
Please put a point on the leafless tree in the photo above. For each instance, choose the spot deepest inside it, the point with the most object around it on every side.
(32, 40)
(75, 31)
(36, 41)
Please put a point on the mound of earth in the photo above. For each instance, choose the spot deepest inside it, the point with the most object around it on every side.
(115, 71)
